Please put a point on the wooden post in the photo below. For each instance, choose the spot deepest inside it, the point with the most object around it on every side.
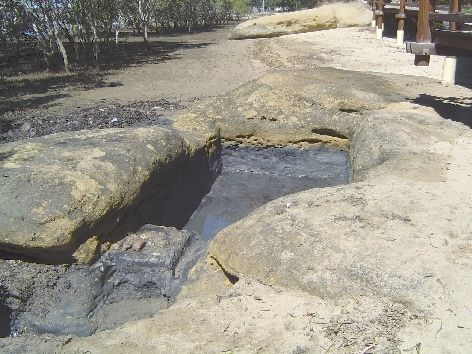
(401, 23)
(454, 7)
(379, 12)
(423, 29)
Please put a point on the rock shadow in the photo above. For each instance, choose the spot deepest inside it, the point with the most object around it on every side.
(5, 320)
(457, 109)
(463, 72)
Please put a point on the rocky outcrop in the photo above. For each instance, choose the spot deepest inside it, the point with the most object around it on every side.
(139, 276)
(318, 19)
(380, 265)
(66, 194)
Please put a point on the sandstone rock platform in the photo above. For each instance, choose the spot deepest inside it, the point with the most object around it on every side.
(380, 265)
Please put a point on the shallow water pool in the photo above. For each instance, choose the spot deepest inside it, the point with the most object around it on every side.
(252, 176)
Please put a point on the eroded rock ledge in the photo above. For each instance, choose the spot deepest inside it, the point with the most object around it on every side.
(381, 265)
(321, 18)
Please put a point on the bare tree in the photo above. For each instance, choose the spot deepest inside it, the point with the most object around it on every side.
(95, 19)
(85, 27)
(140, 13)
(44, 16)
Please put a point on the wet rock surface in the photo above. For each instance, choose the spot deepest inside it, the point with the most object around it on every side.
(252, 176)
(139, 276)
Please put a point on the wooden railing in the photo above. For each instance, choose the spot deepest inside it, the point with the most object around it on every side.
(441, 30)
(427, 15)
(432, 39)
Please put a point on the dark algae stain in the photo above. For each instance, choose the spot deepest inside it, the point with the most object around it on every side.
(253, 176)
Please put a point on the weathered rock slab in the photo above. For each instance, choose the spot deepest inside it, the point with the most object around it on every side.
(318, 19)
(380, 265)
(64, 195)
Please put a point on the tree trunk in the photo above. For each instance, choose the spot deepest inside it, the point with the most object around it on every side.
(53, 27)
(145, 35)
(95, 44)
(48, 61)
(76, 47)
(43, 45)
(142, 19)
(18, 54)
(64, 54)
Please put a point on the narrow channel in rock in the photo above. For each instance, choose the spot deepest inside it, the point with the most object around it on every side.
(5, 315)
(253, 176)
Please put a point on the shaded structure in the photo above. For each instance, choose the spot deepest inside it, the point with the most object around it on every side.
(440, 30)
(449, 37)
(440, 33)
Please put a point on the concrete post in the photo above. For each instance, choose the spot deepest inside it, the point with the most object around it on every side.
(400, 37)
(449, 71)
(401, 23)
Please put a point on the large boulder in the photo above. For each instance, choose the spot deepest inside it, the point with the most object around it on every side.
(318, 19)
(65, 195)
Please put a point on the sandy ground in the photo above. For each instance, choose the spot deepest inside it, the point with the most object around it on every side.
(354, 49)
(183, 68)
(208, 66)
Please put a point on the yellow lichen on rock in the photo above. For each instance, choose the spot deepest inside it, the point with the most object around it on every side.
(88, 251)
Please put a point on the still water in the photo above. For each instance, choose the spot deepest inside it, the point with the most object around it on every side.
(253, 176)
